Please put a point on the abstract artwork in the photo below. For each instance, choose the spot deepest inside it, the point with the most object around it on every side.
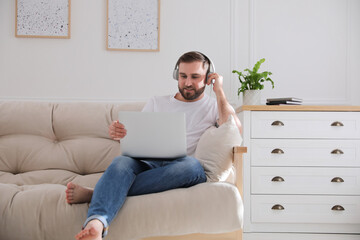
(133, 25)
(43, 18)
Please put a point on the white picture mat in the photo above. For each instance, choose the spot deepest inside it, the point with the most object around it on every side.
(133, 25)
(43, 18)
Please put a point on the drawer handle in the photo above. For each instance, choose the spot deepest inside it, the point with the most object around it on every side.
(277, 151)
(277, 123)
(337, 124)
(337, 151)
(338, 208)
(277, 179)
(337, 180)
(278, 207)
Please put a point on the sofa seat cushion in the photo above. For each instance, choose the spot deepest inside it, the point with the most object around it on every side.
(38, 212)
(26, 211)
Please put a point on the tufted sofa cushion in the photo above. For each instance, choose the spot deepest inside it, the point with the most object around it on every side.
(57, 143)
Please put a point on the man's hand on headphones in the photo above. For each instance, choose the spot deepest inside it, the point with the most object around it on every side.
(218, 84)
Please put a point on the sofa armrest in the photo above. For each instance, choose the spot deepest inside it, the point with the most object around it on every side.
(238, 163)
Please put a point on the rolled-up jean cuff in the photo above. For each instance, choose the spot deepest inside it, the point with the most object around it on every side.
(101, 219)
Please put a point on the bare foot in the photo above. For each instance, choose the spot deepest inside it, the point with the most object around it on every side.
(92, 231)
(78, 194)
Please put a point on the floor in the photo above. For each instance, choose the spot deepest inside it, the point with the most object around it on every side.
(227, 236)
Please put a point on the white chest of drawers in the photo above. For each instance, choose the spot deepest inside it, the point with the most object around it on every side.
(301, 173)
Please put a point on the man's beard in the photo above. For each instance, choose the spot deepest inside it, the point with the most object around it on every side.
(191, 96)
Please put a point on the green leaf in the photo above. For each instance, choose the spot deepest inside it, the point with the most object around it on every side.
(248, 70)
(272, 82)
(257, 65)
(251, 79)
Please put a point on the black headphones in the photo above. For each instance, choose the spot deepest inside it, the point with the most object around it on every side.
(210, 70)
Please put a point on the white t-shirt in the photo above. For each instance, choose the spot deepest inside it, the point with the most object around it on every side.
(200, 115)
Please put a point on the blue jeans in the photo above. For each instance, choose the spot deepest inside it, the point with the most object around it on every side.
(130, 177)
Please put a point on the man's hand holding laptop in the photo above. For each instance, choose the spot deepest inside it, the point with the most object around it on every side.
(117, 130)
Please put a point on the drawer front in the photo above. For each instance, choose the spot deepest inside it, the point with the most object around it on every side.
(305, 125)
(306, 209)
(283, 152)
(305, 180)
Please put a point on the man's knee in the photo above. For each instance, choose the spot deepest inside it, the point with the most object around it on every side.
(121, 163)
(192, 167)
(127, 165)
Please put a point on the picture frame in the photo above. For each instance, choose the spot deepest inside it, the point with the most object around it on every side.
(43, 18)
(133, 25)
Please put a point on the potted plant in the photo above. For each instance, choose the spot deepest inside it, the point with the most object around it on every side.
(252, 83)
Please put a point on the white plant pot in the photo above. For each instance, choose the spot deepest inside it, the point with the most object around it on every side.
(251, 97)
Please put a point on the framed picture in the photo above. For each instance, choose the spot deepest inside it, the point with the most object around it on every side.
(42, 18)
(133, 25)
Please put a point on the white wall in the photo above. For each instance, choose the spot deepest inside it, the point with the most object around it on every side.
(311, 46)
(81, 67)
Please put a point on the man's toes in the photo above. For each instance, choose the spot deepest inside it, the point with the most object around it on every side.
(70, 185)
(69, 191)
(82, 234)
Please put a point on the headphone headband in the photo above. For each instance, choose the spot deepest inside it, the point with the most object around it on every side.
(211, 68)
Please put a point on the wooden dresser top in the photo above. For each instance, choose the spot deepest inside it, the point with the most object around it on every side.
(321, 108)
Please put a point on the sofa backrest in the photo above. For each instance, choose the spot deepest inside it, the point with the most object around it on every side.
(57, 142)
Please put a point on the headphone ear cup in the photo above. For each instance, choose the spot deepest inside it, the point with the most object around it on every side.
(176, 74)
(207, 75)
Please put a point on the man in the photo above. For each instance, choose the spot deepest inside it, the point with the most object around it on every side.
(129, 177)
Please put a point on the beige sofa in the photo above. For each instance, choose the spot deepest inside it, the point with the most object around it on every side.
(43, 146)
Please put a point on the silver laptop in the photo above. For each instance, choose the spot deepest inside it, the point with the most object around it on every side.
(158, 135)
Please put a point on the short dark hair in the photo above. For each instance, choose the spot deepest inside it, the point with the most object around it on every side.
(194, 56)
